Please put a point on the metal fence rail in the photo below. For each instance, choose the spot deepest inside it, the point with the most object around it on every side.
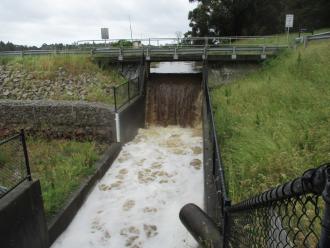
(14, 163)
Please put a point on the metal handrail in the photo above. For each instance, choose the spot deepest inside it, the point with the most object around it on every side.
(140, 85)
(218, 164)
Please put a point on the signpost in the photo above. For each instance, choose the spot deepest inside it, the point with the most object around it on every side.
(289, 23)
(105, 34)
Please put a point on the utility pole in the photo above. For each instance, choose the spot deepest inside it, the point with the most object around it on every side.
(130, 27)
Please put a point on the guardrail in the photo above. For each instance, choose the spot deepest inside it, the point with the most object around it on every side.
(187, 52)
(185, 40)
(14, 163)
(306, 39)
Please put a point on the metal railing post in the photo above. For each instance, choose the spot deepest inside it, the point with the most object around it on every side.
(26, 156)
(114, 97)
(128, 91)
(226, 223)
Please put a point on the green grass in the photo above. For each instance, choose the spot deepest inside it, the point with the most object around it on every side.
(275, 123)
(277, 39)
(61, 166)
(47, 68)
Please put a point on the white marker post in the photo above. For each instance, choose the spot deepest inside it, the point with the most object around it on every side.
(289, 23)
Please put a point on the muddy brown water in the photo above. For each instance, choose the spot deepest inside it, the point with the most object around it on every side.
(174, 99)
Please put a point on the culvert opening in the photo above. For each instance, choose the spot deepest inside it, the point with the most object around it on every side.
(174, 99)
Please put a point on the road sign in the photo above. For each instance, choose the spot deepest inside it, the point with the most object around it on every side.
(104, 33)
(289, 21)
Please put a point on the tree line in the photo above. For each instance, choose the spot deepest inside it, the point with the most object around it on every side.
(8, 46)
(255, 17)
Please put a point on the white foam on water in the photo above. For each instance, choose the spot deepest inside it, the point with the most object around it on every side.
(137, 203)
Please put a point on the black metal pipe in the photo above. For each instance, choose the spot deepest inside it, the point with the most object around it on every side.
(201, 226)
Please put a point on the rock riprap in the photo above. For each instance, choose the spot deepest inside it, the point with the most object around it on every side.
(39, 85)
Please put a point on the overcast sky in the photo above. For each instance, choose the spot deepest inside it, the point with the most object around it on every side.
(33, 22)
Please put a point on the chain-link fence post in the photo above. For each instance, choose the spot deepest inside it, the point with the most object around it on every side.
(325, 233)
(26, 156)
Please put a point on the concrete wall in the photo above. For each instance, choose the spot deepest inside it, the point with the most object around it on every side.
(22, 220)
(131, 119)
(225, 73)
(67, 119)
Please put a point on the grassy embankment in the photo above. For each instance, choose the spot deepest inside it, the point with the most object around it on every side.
(275, 123)
(61, 165)
(51, 73)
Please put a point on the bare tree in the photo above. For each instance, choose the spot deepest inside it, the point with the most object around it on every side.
(178, 34)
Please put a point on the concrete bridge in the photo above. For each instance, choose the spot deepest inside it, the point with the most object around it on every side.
(243, 48)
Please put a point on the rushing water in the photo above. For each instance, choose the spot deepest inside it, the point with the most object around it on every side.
(137, 202)
(176, 67)
(174, 99)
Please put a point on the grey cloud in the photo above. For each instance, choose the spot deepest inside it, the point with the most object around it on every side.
(38, 21)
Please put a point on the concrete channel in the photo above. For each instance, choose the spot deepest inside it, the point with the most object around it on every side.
(137, 202)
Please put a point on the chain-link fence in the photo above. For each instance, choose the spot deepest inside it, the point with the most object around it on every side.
(290, 215)
(14, 165)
